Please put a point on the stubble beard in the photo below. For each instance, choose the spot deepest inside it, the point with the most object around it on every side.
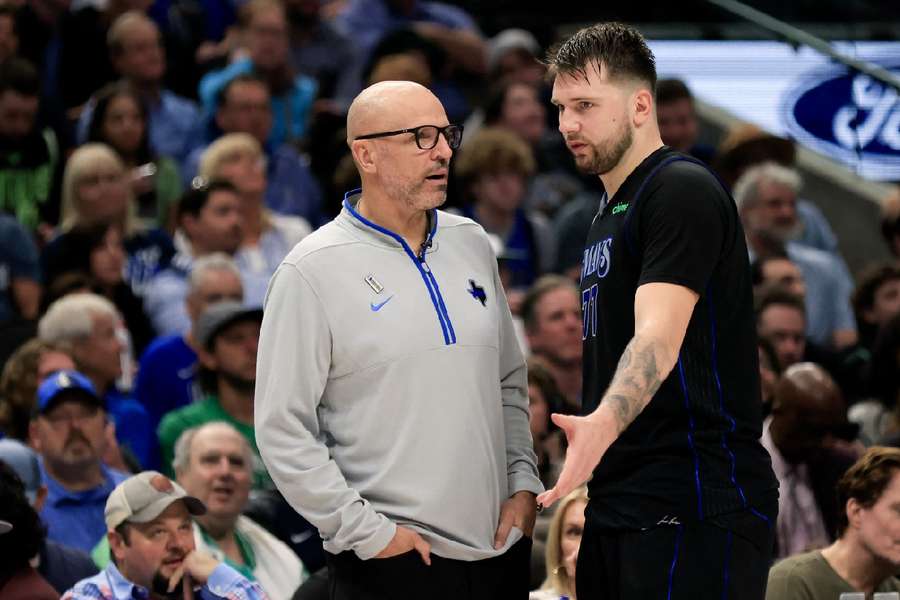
(606, 156)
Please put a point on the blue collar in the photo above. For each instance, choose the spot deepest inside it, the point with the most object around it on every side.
(351, 208)
(121, 588)
(58, 494)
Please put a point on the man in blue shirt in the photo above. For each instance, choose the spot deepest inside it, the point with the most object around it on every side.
(68, 432)
(167, 375)
(137, 55)
(151, 538)
(20, 287)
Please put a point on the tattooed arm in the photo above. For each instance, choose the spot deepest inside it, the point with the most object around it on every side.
(662, 312)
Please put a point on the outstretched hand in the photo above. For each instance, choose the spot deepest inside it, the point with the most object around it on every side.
(588, 437)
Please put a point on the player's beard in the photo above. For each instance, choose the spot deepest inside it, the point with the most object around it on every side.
(607, 155)
(160, 587)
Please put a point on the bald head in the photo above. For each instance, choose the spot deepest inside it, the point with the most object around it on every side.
(384, 106)
(808, 386)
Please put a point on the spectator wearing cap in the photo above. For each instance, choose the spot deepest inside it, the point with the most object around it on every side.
(21, 535)
(61, 566)
(513, 55)
(214, 463)
(167, 374)
(227, 335)
(150, 534)
(209, 222)
(244, 106)
(68, 433)
(88, 327)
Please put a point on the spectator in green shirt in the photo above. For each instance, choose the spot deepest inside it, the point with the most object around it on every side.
(227, 334)
(866, 555)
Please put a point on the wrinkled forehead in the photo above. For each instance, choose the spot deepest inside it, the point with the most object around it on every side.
(398, 109)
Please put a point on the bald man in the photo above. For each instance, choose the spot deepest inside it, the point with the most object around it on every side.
(391, 399)
(811, 444)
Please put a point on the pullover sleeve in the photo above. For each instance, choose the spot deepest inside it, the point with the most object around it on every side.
(521, 461)
(293, 364)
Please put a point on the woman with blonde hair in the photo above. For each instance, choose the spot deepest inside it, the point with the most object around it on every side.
(267, 236)
(96, 191)
(563, 542)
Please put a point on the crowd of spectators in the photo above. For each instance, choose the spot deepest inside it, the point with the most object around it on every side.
(159, 159)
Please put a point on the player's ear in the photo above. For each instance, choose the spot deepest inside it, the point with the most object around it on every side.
(642, 105)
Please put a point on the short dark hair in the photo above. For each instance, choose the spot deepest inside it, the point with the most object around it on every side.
(222, 95)
(672, 90)
(193, 200)
(543, 286)
(866, 481)
(20, 76)
(777, 295)
(618, 47)
(869, 282)
(757, 267)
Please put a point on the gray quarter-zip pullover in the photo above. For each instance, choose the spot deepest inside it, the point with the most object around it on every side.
(391, 388)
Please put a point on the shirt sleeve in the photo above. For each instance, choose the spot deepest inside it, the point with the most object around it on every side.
(292, 369)
(521, 461)
(19, 251)
(680, 227)
(225, 583)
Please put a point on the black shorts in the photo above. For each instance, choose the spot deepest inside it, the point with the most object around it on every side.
(505, 577)
(677, 562)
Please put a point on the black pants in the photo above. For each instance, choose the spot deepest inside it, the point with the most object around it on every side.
(505, 577)
(694, 561)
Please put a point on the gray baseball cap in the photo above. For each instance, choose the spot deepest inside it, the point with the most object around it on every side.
(143, 497)
(220, 315)
(24, 461)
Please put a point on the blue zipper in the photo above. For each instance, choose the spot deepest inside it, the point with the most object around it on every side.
(419, 261)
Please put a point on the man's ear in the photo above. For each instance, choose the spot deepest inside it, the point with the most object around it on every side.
(207, 359)
(642, 103)
(364, 155)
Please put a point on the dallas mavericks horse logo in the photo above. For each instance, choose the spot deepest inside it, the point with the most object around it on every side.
(596, 259)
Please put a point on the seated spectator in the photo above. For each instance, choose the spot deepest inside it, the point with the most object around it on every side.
(98, 251)
(136, 52)
(876, 300)
(781, 322)
(244, 106)
(552, 315)
(517, 107)
(119, 120)
(167, 375)
(863, 558)
(514, 55)
(96, 190)
(884, 381)
(209, 222)
(68, 432)
(319, 51)
(543, 400)
(227, 336)
(890, 221)
(766, 197)
(86, 327)
(494, 169)
(25, 370)
(777, 269)
(150, 534)
(292, 95)
(20, 273)
(21, 536)
(61, 566)
(214, 463)
(267, 236)
(677, 118)
(769, 372)
(563, 543)
(29, 154)
(808, 437)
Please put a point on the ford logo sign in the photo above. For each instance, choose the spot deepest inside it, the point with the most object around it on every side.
(849, 117)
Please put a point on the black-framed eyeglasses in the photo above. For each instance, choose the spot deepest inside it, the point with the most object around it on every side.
(426, 135)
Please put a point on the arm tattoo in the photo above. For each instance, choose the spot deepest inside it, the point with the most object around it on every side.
(636, 380)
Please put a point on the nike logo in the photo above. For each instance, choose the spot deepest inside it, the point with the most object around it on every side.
(377, 307)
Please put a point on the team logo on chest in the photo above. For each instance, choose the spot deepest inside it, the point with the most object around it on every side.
(477, 292)
(597, 259)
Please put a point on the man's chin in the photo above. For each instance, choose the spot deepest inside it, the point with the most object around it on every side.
(160, 587)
